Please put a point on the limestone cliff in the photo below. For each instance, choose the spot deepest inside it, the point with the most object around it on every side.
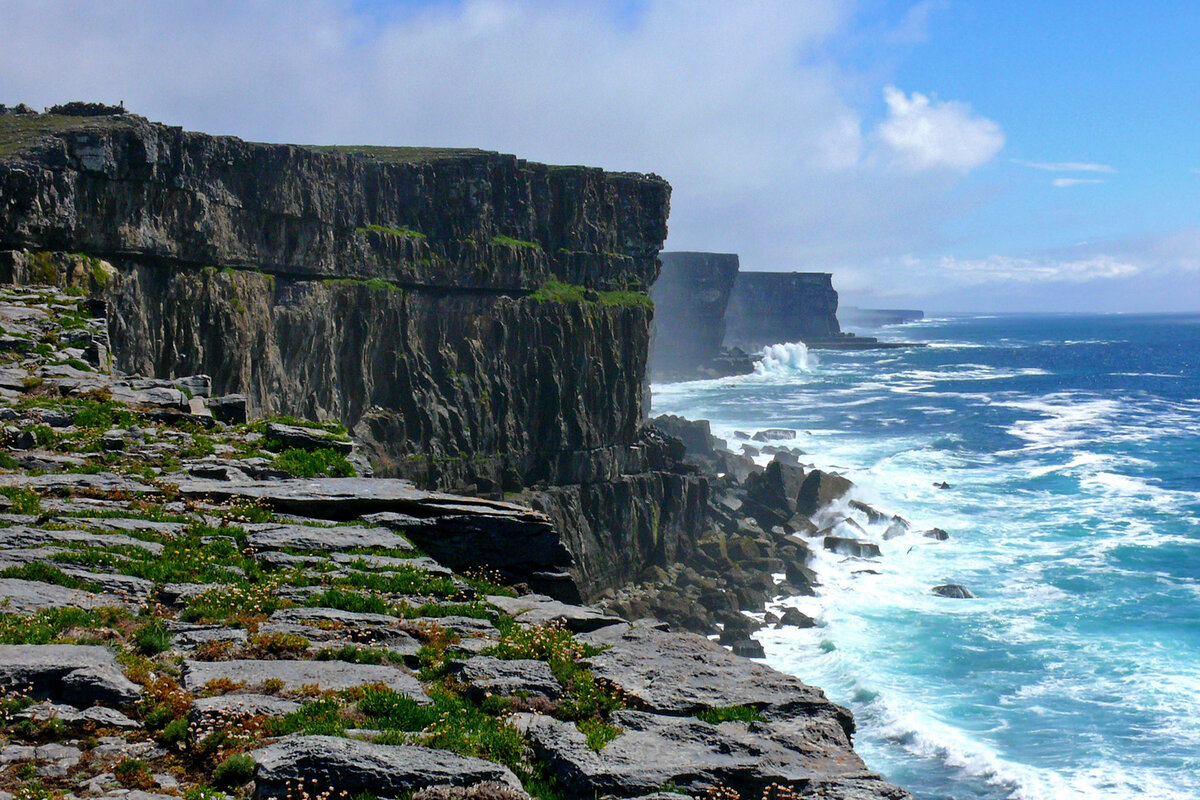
(479, 320)
(771, 307)
(690, 298)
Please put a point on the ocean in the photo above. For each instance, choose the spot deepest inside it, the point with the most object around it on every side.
(1071, 447)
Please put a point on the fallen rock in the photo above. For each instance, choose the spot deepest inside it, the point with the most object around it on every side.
(819, 490)
(273, 536)
(81, 675)
(936, 533)
(536, 609)
(652, 751)
(794, 618)
(953, 590)
(680, 674)
(852, 547)
(223, 707)
(21, 595)
(355, 767)
(328, 675)
(308, 438)
(486, 676)
(774, 434)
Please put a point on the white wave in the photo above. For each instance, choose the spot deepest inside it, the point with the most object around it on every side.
(785, 358)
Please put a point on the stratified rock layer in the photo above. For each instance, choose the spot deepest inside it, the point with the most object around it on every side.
(771, 307)
(690, 297)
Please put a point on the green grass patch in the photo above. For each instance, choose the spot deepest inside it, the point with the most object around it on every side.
(40, 571)
(24, 501)
(716, 716)
(554, 291)
(377, 284)
(407, 233)
(311, 463)
(508, 241)
(350, 601)
(598, 732)
(46, 626)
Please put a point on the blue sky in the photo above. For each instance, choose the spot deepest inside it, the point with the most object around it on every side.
(944, 154)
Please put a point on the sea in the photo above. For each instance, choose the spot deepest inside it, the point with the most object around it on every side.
(1070, 449)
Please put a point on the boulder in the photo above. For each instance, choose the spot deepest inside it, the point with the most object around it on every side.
(230, 409)
(358, 767)
(852, 547)
(328, 675)
(812, 754)
(819, 490)
(777, 487)
(794, 618)
(774, 434)
(679, 674)
(874, 516)
(276, 536)
(21, 595)
(226, 706)
(953, 590)
(748, 648)
(82, 675)
(308, 438)
(487, 675)
(535, 609)
(936, 533)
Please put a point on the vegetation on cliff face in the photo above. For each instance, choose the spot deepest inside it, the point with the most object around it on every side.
(553, 291)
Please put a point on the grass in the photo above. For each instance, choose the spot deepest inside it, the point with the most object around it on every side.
(377, 284)
(47, 626)
(350, 601)
(408, 233)
(19, 132)
(715, 716)
(311, 463)
(44, 573)
(399, 155)
(508, 241)
(597, 732)
(24, 501)
(554, 291)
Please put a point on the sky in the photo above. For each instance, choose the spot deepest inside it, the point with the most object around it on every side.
(949, 155)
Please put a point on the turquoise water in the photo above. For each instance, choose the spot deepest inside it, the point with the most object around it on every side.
(1072, 447)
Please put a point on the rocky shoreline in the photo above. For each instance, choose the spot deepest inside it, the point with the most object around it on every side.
(194, 605)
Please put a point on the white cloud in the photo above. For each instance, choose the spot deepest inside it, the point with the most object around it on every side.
(1063, 183)
(926, 134)
(1066, 166)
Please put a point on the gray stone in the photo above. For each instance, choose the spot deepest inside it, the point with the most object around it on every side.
(273, 536)
(954, 591)
(856, 548)
(73, 482)
(774, 434)
(936, 533)
(227, 706)
(810, 754)
(308, 438)
(198, 385)
(819, 490)
(189, 637)
(328, 675)
(22, 536)
(535, 609)
(794, 618)
(22, 595)
(354, 766)
(678, 674)
(81, 675)
(96, 715)
(231, 408)
(487, 675)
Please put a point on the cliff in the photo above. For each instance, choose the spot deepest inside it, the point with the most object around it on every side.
(690, 298)
(480, 321)
(772, 307)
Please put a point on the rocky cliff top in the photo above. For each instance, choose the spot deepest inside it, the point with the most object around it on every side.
(196, 604)
(117, 185)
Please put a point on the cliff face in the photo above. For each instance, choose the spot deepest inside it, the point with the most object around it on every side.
(690, 298)
(480, 321)
(771, 307)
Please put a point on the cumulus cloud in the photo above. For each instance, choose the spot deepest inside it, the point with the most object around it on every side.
(924, 134)
(1063, 183)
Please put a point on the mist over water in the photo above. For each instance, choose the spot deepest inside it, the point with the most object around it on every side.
(1072, 448)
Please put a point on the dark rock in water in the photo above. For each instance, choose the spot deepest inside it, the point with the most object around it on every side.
(953, 590)
(772, 434)
(794, 618)
(693, 755)
(874, 516)
(357, 767)
(777, 487)
(696, 435)
(942, 485)
(307, 438)
(702, 675)
(852, 547)
(820, 489)
(895, 530)
(749, 451)
(81, 675)
(749, 648)
(936, 533)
